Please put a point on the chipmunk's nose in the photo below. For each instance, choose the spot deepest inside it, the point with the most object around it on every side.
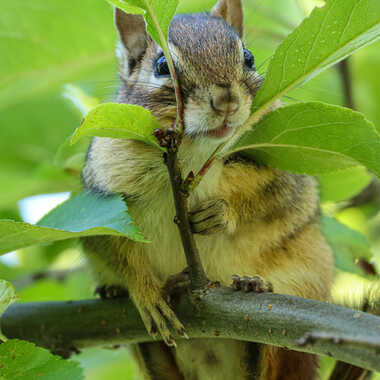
(224, 100)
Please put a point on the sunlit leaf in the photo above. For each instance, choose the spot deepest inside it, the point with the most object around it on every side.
(119, 121)
(330, 34)
(343, 184)
(313, 138)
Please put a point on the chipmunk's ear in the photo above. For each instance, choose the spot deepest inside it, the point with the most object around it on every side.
(132, 34)
(232, 12)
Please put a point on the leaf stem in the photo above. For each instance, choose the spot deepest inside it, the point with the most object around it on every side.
(194, 182)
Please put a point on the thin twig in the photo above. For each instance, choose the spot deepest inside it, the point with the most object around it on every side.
(180, 125)
(344, 70)
(193, 181)
(170, 140)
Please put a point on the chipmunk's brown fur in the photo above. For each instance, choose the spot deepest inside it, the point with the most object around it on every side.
(249, 219)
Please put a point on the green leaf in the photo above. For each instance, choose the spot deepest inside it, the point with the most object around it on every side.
(82, 215)
(126, 7)
(330, 34)
(7, 295)
(21, 360)
(347, 244)
(343, 184)
(158, 15)
(313, 138)
(37, 60)
(119, 121)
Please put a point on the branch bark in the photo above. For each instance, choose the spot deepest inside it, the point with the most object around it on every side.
(171, 139)
(268, 318)
(198, 279)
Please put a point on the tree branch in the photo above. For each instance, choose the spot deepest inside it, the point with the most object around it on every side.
(220, 313)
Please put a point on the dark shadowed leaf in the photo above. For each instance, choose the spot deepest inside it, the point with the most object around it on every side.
(347, 244)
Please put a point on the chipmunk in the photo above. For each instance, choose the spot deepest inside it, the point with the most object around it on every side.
(248, 219)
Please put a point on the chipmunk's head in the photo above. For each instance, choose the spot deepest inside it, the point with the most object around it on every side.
(216, 72)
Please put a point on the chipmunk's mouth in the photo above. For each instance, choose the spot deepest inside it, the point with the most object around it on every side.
(223, 131)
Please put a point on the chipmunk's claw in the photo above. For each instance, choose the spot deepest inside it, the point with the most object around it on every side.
(156, 318)
(209, 217)
(248, 284)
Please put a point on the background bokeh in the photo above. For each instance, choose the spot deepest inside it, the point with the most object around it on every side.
(57, 60)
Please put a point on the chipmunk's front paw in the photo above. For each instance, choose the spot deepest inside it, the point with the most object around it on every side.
(254, 284)
(157, 314)
(176, 284)
(209, 217)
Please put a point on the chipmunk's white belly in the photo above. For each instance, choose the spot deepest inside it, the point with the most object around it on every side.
(217, 251)
(204, 359)
(210, 359)
(200, 359)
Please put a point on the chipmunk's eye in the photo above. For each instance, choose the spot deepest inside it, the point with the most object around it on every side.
(249, 61)
(161, 67)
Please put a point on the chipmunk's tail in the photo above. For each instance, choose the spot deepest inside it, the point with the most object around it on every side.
(366, 298)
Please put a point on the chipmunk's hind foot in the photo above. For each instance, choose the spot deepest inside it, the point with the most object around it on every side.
(248, 284)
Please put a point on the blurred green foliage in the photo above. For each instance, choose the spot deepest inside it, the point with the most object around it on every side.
(49, 44)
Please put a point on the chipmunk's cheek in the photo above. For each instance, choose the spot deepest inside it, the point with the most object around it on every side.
(242, 115)
(197, 117)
